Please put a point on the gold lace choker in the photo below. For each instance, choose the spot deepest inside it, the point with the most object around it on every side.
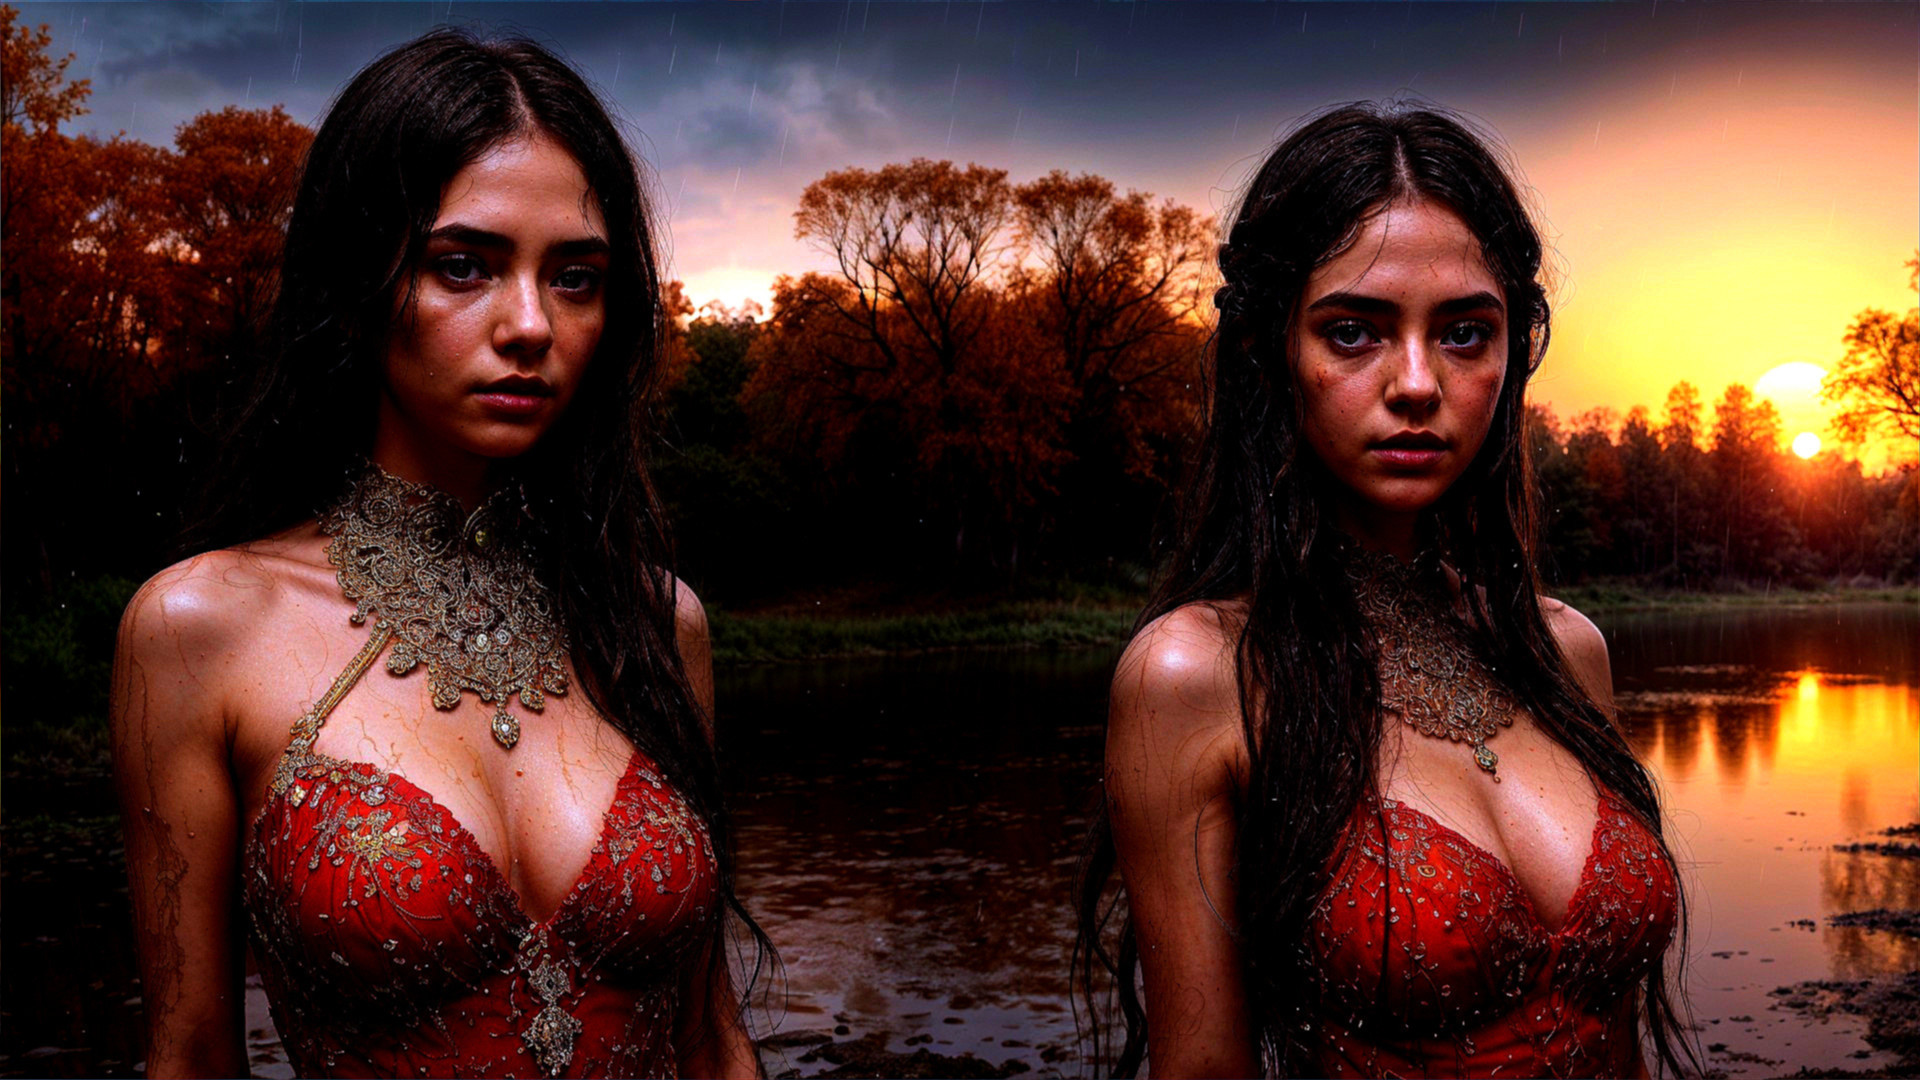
(458, 593)
(1431, 671)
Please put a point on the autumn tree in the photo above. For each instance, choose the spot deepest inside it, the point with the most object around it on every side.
(1115, 282)
(907, 374)
(81, 279)
(34, 93)
(1877, 382)
(914, 243)
(128, 267)
(228, 193)
(1120, 283)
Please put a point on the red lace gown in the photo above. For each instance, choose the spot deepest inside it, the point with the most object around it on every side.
(1431, 960)
(391, 945)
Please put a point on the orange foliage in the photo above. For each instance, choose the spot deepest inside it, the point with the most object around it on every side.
(987, 338)
(128, 263)
(31, 96)
(228, 196)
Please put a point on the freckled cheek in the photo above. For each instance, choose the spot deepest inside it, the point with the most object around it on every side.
(1478, 396)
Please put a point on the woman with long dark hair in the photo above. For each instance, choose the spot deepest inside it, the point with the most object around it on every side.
(515, 862)
(1364, 792)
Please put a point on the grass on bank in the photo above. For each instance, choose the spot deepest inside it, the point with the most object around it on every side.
(1607, 597)
(761, 638)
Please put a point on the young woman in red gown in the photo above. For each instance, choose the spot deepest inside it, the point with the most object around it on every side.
(1363, 788)
(514, 863)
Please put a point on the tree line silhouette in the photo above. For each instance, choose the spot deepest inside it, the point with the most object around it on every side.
(995, 381)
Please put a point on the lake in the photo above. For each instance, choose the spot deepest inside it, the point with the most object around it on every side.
(911, 828)
(909, 831)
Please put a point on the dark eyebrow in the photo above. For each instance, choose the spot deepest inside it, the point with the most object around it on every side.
(1480, 301)
(1373, 305)
(469, 236)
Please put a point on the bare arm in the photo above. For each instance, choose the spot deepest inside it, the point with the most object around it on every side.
(712, 1036)
(181, 814)
(1174, 750)
(1585, 649)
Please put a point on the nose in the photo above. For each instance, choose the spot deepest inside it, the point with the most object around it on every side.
(1413, 385)
(523, 327)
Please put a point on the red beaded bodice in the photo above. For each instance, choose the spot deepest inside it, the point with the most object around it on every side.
(391, 945)
(1431, 960)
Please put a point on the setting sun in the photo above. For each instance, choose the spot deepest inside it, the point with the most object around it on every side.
(1806, 444)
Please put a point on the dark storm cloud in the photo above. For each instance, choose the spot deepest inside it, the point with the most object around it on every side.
(739, 80)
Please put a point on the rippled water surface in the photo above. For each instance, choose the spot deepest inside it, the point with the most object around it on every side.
(910, 828)
(909, 831)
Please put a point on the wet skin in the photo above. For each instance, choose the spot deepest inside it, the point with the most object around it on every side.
(1399, 355)
(219, 654)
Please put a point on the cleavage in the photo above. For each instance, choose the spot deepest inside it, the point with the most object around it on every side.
(1538, 823)
(537, 811)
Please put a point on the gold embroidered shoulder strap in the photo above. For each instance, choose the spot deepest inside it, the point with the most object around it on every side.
(307, 728)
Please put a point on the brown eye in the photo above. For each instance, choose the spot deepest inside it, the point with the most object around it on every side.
(578, 279)
(460, 269)
(1467, 335)
(1349, 336)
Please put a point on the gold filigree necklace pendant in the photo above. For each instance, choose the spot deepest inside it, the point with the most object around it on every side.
(460, 595)
(1431, 670)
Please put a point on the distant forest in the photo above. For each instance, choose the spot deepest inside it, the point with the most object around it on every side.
(998, 382)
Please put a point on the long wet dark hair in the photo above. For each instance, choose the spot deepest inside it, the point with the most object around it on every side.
(303, 415)
(1254, 527)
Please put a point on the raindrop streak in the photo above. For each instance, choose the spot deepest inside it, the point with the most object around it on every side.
(716, 52)
(982, 17)
(1522, 26)
(1561, 52)
(785, 130)
(672, 58)
(615, 81)
(1076, 63)
(752, 96)
(953, 90)
(247, 101)
(1236, 128)
(950, 122)
(672, 21)
(736, 179)
(1303, 22)
(1672, 86)
(1596, 133)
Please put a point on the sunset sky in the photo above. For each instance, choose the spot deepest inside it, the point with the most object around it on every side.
(1725, 186)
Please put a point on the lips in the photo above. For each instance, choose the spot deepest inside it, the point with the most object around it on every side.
(515, 395)
(1409, 449)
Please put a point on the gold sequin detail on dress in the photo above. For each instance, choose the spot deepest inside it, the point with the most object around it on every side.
(1431, 671)
(460, 595)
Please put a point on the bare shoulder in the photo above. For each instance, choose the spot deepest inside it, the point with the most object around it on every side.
(695, 642)
(689, 615)
(1178, 678)
(197, 607)
(1584, 647)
